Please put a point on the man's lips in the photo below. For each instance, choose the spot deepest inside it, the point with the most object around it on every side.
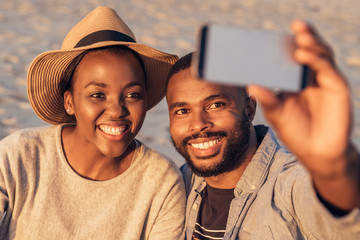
(205, 148)
(203, 137)
(206, 144)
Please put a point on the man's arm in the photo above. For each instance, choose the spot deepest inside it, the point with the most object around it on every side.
(315, 124)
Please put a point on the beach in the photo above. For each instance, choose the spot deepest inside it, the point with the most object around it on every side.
(30, 27)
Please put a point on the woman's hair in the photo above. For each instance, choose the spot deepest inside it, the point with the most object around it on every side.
(66, 80)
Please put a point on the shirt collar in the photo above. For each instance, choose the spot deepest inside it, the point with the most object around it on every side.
(256, 172)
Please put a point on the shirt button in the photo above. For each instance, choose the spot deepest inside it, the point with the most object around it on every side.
(253, 187)
(195, 206)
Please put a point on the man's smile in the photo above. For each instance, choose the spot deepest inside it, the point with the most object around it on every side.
(205, 145)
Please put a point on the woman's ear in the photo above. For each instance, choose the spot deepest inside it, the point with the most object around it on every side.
(250, 104)
(69, 103)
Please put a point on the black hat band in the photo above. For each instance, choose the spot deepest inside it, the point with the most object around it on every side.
(104, 35)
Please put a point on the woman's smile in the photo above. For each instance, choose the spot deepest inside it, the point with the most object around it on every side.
(111, 130)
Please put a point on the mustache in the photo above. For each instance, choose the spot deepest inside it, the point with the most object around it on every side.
(203, 135)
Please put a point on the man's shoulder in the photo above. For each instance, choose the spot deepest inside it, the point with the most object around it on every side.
(272, 148)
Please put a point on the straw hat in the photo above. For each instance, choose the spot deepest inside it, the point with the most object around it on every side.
(101, 27)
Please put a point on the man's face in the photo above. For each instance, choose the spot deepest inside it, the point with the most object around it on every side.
(209, 124)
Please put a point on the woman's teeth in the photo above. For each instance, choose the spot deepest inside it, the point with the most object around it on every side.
(112, 130)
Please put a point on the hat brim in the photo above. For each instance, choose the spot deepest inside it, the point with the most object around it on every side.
(44, 76)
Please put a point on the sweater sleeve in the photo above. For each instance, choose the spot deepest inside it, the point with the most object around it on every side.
(4, 200)
(170, 221)
(4, 191)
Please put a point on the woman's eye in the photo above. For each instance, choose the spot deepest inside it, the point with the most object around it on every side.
(181, 111)
(216, 105)
(97, 95)
(134, 95)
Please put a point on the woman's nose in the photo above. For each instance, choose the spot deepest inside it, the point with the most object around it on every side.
(117, 109)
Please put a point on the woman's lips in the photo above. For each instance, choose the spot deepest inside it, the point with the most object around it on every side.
(113, 130)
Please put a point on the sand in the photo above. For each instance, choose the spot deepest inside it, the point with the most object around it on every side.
(29, 27)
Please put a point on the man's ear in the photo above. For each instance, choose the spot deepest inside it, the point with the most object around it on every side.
(69, 103)
(250, 105)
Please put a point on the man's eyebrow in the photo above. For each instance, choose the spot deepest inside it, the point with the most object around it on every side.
(217, 96)
(177, 104)
(207, 99)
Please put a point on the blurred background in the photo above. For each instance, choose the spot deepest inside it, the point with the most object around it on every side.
(30, 27)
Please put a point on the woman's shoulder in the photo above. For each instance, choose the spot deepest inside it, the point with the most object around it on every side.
(30, 133)
(26, 139)
(23, 149)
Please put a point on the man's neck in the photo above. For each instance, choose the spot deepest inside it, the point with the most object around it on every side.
(228, 180)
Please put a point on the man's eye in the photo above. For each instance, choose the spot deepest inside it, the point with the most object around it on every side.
(181, 111)
(216, 105)
(97, 95)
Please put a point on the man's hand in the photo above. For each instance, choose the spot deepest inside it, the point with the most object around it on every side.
(315, 123)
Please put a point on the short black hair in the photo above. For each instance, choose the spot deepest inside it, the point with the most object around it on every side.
(182, 64)
(185, 63)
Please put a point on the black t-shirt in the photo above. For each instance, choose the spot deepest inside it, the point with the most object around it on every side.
(213, 213)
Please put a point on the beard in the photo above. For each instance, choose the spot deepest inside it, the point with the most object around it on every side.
(234, 151)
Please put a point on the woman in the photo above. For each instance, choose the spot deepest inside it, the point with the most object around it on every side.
(86, 176)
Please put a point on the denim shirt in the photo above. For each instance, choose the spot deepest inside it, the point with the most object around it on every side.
(274, 199)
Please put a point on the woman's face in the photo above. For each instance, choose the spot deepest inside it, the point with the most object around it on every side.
(108, 101)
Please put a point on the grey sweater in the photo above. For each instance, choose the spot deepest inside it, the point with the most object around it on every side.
(41, 197)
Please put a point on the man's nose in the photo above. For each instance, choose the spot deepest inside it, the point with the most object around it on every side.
(200, 121)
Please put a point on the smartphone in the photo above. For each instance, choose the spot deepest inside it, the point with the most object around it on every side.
(235, 56)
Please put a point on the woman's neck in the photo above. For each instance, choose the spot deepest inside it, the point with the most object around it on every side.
(87, 161)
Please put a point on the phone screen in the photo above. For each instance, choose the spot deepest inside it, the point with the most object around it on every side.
(231, 55)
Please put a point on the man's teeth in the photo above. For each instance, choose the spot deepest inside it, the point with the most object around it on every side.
(205, 145)
(112, 130)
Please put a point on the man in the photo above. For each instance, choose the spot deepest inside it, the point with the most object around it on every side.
(241, 183)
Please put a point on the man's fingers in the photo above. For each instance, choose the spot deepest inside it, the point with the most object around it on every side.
(315, 53)
(299, 27)
(326, 73)
(270, 102)
(309, 42)
(306, 37)
(263, 95)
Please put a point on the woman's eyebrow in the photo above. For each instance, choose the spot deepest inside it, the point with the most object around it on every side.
(98, 84)
(131, 84)
(103, 85)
